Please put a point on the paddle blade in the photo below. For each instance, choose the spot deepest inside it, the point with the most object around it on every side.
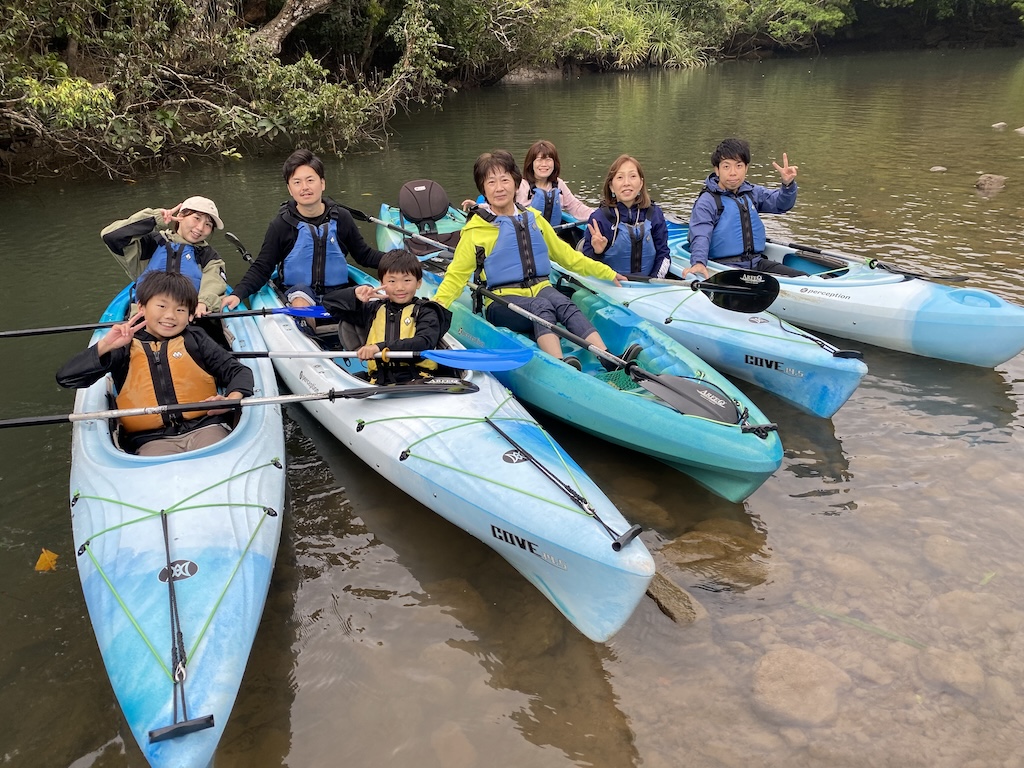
(480, 359)
(315, 312)
(436, 386)
(742, 290)
(689, 396)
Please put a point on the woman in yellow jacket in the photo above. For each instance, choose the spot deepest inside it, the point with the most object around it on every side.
(510, 249)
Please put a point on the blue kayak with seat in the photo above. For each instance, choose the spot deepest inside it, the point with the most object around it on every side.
(175, 555)
(755, 346)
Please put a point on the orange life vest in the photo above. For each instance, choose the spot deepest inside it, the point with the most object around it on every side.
(162, 373)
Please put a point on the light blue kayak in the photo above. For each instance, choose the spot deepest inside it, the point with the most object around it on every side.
(859, 299)
(197, 532)
(792, 364)
(462, 446)
(730, 459)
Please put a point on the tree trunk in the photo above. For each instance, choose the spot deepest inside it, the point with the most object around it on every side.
(292, 14)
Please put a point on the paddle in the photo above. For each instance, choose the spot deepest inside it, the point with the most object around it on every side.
(688, 396)
(872, 263)
(738, 290)
(435, 386)
(469, 359)
(316, 312)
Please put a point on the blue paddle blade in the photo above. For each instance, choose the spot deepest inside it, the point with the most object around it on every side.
(480, 359)
(315, 312)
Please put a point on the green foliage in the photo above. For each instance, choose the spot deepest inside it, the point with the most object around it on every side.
(116, 86)
(789, 23)
(69, 103)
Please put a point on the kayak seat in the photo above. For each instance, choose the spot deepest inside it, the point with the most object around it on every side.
(425, 203)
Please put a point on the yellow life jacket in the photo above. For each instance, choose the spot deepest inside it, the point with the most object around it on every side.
(162, 373)
(402, 326)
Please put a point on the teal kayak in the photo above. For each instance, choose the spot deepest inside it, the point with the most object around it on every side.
(730, 459)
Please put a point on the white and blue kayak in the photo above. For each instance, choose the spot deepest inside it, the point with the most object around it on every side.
(873, 302)
(192, 536)
(462, 446)
(795, 366)
(798, 367)
(731, 458)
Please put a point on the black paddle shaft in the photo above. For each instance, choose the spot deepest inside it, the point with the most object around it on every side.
(689, 397)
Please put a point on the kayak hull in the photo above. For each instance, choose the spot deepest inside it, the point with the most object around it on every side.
(223, 510)
(445, 452)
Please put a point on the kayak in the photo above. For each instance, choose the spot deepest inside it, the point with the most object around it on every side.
(866, 301)
(796, 366)
(730, 459)
(462, 446)
(194, 534)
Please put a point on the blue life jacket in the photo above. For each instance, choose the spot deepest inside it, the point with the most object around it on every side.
(739, 231)
(631, 250)
(548, 203)
(176, 258)
(520, 255)
(317, 258)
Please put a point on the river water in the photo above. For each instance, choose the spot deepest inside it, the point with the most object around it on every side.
(888, 544)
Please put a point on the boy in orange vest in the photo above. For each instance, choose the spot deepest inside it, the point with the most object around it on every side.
(157, 358)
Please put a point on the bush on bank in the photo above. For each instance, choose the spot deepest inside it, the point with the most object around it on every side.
(93, 86)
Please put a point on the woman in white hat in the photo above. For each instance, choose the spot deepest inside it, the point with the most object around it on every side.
(172, 240)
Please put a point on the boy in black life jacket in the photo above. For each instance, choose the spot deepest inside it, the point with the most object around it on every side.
(157, 358)
(397, 319)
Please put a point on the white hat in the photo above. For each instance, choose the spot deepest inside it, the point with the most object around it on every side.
(203, 205)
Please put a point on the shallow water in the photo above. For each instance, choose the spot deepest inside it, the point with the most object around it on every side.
(888, 544)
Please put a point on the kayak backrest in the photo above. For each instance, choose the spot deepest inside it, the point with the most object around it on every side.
(425, 203)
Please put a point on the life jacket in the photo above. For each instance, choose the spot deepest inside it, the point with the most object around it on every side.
(317, 258)
(739, 231)
(548, 202)
(162, 373)
(396, 325)
(519, 256)
(631, 250)
(176, 258)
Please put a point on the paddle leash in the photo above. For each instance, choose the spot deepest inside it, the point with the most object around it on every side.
(179, 659)
(619, 540)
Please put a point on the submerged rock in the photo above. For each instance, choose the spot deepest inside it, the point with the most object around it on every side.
(674, 601)
(956, 669)
(990, 183)
(797, 687)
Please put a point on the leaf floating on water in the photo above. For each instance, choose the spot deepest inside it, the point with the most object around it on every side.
(47, 561)
(988, 577)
